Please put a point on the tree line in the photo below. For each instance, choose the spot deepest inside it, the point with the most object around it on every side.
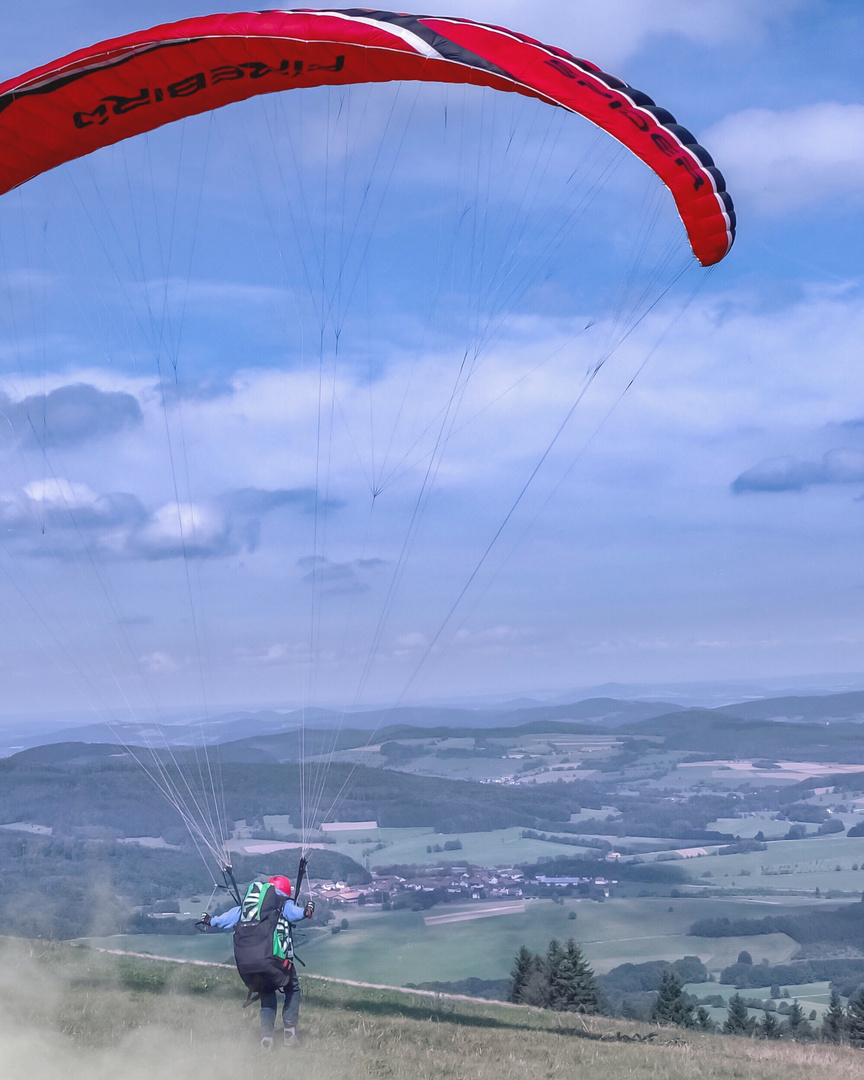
(842, 925)
(561, 979)
(839, 1024)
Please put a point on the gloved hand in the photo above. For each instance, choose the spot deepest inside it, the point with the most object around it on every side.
(203, 924)
(309, 910)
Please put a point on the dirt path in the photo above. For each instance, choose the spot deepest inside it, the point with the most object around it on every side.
(477, 913)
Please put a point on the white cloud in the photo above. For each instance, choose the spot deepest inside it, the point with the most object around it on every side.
(611, 31)
(197, 529)
(411, 642)
(782, 160)
(493, 637)
(735, 382)
(63, 494)
(618, 27)
(752, 365)
(160, 663)
(279, 655)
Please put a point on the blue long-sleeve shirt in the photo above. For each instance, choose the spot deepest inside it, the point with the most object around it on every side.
(229, 919)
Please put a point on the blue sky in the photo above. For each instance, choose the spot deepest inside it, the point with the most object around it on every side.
(169, 377)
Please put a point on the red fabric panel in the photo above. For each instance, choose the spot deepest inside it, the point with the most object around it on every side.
(129, 85)
(585, 93)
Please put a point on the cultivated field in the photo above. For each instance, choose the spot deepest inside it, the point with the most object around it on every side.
(499, 847)
(825, 863)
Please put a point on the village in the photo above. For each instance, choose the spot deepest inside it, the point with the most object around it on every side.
(428, 886)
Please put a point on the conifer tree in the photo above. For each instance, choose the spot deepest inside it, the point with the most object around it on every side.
(560, 974)
(575, 989)
(703, 1020)
(796, 1022)
(834, 1020)
(523, 968)
(562, 980)
(554, 955)
(536, 991)
(855, 1019)
(672, 1006)
(738, 1020)
(770, 1027)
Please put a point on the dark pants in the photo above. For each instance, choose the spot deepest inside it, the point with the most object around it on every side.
(290, 1007)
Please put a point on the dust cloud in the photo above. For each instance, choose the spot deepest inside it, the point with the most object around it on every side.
(69, 1013)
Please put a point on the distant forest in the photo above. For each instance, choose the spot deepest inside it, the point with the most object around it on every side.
(115, 794)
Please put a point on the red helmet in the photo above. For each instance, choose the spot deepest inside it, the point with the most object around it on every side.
(282, 884)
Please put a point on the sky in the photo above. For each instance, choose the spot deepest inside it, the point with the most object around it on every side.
(296, 403)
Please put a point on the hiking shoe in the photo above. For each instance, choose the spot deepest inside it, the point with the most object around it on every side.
(267, 1042)
(289, 1037)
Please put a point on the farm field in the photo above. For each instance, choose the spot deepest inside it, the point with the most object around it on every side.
(812, 997)
(783, 866)
(809, 995)
(474, 768)
(549, 756)
(688, 780)
(400, 947)
(500, 847)
(747, 827)
(802, 865)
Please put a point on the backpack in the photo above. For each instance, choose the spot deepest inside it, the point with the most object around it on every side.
(263, 937)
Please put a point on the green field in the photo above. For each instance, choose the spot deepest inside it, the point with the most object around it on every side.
(808, 995)
(802, 865)
(812, 997)
(540, 751)
(399, 947)
(748, 826)
(500, 847)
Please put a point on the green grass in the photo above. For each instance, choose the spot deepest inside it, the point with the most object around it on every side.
(809, 995)
(790, 865)
(76, 1015)
(501, 847)
(578, 748)
(747, 827)
(398, 947)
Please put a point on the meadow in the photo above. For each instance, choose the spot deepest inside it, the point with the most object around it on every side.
(812, 997)
(498, 847)
(826, 863)
(71, 1014)
(399, 947)
(553, 755)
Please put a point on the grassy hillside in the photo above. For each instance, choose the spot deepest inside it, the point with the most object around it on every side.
(71, 1013)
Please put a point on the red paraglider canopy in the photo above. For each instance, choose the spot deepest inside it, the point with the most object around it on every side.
(133, 84)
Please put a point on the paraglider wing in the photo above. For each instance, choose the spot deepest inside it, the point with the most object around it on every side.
(133, 84)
